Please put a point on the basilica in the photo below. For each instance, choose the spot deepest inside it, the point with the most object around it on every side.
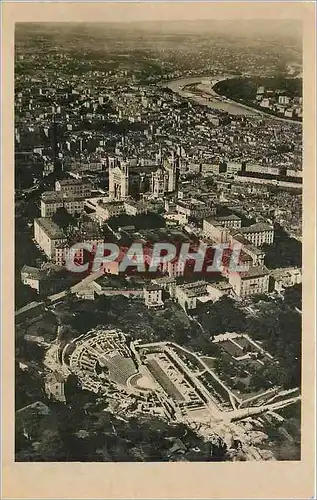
(155, 180)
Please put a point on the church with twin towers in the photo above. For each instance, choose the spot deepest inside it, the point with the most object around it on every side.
(137, 180)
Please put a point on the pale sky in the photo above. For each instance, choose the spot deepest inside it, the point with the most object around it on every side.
(122, 11)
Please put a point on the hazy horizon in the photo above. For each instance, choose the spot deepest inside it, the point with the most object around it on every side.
(245, 27)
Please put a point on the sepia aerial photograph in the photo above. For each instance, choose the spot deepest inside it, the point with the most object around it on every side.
(158, 240)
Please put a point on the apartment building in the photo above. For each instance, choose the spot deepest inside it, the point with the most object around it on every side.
(32, 277)
(194, 208)
(106, 210)
(262, 169)
(64, 252)
(133, 208)
(215, 230)
(94, 166)
(251, 282)
(173, 268)
(217, 290)
(73, 187)
(229, 221)
(48, 235)
(52, 200)
(233, 167)
(256, 254)
(188, 294)
(153, 296)
(48, 279)
(285, 277)
(258, 234)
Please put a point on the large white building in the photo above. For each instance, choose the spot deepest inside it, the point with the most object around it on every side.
(73, 187)
(285, 277)
(48, 235)
(188, 294)
(153, 296)
(88, 166)
(262, 169)
(106, 210)
(44, 280)
(194, 208)
(132, 207)
(215, 231)
(231, 220)
(252, 282)
(258, 234)
(51, 201)
(64, 252)
(257, 255)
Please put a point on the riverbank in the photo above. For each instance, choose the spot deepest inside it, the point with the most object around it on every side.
(219, 102)
(243, 90)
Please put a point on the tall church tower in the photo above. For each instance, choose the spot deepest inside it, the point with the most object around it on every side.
(119, 181)
(170, 169)
(159, 183)
(124, 180)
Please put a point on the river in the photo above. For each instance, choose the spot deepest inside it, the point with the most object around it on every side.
(215, 101)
